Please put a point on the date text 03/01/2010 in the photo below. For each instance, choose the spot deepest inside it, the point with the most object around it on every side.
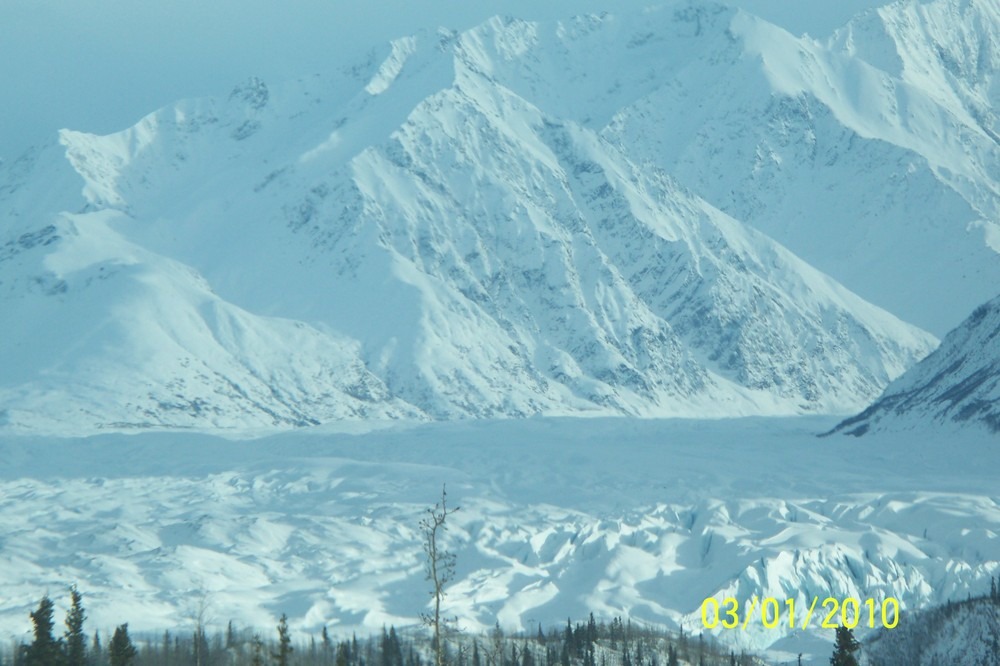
(849, 612)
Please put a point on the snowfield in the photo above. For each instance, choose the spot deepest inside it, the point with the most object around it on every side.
(559, 517)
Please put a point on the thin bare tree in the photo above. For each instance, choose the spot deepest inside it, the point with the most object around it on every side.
(439, 566)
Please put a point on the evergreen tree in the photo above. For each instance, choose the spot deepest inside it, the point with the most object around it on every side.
(844, 648)
(526, 657)
(166, 648)
(200, 642)
(495, 656)
(568, 636)
(327, 646)
(76, 641)
(45, 650)
(579, 640)
(121, 652)
(96, 657)
(395, 646)
(391, 649)
(284, 642)
(258, 651)
(384, 648)
(672, 656)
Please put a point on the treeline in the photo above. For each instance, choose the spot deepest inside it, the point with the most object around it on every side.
(969, 628)
(591, 643)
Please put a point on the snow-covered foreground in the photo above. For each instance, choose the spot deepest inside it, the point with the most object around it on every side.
(559, 517)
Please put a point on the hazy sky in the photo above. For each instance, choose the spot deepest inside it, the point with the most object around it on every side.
(100, 65)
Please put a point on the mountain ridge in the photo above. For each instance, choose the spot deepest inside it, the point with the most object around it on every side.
(397, 180)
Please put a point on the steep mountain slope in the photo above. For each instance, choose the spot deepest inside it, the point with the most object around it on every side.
(958, 383)
(441, 246)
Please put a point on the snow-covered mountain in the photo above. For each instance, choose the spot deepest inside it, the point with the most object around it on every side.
(488, 223)
(959, 383)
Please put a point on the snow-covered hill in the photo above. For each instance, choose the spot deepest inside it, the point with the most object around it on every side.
(959, 632)
(461, 225)
(957, 384)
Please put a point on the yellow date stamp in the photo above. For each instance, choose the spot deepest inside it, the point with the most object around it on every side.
(833, 612)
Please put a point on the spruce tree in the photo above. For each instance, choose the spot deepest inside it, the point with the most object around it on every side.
(258, 651)
(44, 651)
(395, 647)
(384, 659)
(284, 642)
(166, 648)
(121, 652)
(76, 642)
(95, 650)
(844, 648)
(526, 657)
(327, 646)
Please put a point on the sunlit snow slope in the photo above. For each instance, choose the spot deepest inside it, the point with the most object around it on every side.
(460, 225)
